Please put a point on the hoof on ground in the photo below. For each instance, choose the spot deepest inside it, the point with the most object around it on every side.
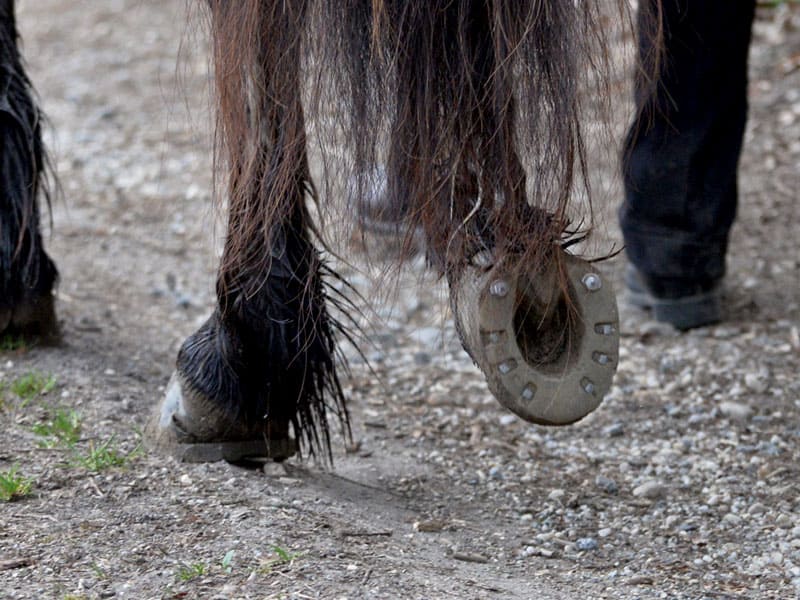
(548, 358)
(33, 319)
(191, 428)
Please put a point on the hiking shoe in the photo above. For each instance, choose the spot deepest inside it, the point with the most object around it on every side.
(683, 304)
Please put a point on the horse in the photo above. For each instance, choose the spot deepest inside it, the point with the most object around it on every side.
(474, 109)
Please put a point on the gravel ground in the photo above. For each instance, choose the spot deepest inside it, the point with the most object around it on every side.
(684, 484)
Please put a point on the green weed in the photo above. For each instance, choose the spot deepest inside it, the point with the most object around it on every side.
(103, 456)
(31, 385)
(282, 557)
(63, 429)
(12, 343)
(13, 486)
(227, 560)
(189, 572)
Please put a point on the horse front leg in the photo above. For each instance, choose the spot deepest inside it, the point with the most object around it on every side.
(27, 275)
(263, 363)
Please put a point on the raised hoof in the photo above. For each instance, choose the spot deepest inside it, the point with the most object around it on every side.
(192, 429)
(35, 318)
(539, 363)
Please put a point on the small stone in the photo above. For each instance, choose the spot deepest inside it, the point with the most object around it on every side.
(185, 480)
(495, 473)
(732, 520)
(698, 418)
(556, 494)
(615, 430)
(756, 382)
(586, 544)
(652, 490)
(506, 420)
(736, 411)
(605, 532)
(671, 520)
(756, 509)
(609, 486)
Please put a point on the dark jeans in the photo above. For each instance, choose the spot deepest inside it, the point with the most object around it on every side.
(682, 151)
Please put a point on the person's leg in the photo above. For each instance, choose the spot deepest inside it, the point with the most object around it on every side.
(681, 155)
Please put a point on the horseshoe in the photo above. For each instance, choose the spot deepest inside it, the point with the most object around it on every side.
(514, 325)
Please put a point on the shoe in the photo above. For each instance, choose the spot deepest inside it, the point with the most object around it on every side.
(682, 304)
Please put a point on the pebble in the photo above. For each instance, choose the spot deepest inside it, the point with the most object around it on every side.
(605, 532)
(615, 430)
(496, 474)
(506, 420)
(698, 418)
(609, 486)
(756, 509)
(736, 410)
(652, 490)
(586, 544)
(732, 520)
(756, 382)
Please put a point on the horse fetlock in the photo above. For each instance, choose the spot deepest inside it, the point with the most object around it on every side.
(547, 345)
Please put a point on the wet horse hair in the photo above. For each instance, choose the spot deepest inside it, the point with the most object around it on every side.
(25, 270)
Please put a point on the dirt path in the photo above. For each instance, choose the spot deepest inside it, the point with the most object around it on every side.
(684, 484)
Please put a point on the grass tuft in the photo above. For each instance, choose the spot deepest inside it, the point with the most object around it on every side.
(33, 384)
(63, 429)
(12, 343)
(189, 572)
(14, 486)
(104, 456)
(281, 558)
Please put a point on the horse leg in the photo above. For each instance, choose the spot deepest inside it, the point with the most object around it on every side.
(27, 275)
(539, 322)
(264, 360)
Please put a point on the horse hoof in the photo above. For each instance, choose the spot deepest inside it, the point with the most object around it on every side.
(33, 318)
(192, 428)
(540, 363)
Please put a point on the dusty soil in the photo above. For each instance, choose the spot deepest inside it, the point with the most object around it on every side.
(684, 484)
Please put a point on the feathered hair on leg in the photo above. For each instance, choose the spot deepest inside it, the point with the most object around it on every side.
(481, 104)
(475, 107)
(27, 275)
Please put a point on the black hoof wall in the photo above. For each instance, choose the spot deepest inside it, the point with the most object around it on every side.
(34, 319)
(190, 428)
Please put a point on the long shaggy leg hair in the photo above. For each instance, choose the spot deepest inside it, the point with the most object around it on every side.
(267, 354)
(27, 275)
(481, 104)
